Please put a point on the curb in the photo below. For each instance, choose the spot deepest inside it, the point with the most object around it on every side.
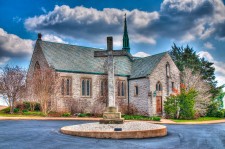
(97, 119)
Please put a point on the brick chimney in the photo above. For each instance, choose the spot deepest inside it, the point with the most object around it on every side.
(39, 36)
(110, 43)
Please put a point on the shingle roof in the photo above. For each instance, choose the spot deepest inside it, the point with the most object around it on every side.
(72, 58)
(144, 66)
(79, 59)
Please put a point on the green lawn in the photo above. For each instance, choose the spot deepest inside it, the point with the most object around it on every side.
(26, 114)
(199, 119)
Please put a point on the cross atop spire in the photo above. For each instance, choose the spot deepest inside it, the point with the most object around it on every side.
(126, 45)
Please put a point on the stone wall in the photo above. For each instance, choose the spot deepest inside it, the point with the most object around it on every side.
(65, 103)
(142, 100)
(159, 74)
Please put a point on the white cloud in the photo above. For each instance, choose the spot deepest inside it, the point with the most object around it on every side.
(141, 54)
(208, 45)
(53, 38)
(172, 21)
(13, 46)
(4, 60)
(206, 55)
(92, 24)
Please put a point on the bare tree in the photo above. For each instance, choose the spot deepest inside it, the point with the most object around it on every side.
(194, 80)
(43, 85)
(12, 84)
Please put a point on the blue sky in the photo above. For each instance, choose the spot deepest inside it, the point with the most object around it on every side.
(153, 26)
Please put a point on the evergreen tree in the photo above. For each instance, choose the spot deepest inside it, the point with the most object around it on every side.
(187, 58)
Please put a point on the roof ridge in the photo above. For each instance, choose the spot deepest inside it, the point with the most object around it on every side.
(70, 44)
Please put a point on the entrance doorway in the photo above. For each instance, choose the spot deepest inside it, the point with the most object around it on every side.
(159, 105)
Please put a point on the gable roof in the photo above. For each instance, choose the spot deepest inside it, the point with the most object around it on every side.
(79, 59)
(144, 66)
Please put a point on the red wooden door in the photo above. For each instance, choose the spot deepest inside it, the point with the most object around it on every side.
(159, 104)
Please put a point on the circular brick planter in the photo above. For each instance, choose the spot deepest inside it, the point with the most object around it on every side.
(129, 130)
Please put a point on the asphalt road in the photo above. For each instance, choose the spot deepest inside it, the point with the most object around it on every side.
(32, 134)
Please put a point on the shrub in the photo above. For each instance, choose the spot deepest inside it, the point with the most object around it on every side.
(16, 110)
(171, 106)
(37, 107)
(6, 110)
(220, 114)
(182, 105)
(66, 115)
(26, 105)
(213, 109)
(20, 106)
(25, 110)
(155, 118)
(84, 115)
(30, 106)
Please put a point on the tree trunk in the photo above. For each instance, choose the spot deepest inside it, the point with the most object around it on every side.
(11, 106)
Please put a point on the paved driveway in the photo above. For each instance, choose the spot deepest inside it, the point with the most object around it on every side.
(27, 134)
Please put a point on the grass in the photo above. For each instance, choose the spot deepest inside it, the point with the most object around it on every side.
(201, 119)
(4, 113)
(140, 117)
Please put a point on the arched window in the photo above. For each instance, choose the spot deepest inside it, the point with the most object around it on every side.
(121, 88)
(83, 87)
(67, 87)
(86, 87)
(136, 90)
(158, 86)
(167, 70)
(37, 66)
(118, 88)
(62, 87)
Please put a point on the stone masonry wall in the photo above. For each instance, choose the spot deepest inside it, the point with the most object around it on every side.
(63, 102)
(142, 100)
(159, 74)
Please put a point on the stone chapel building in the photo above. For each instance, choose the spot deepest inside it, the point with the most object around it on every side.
(142, 82)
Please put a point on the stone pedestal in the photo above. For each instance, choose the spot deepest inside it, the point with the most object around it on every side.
(111, 116)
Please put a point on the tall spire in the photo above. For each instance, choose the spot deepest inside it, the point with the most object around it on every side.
(126, 45)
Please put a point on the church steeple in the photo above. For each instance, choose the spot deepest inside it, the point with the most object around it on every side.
(126, 45)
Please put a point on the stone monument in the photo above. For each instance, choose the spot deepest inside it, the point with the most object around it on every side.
(111, 116)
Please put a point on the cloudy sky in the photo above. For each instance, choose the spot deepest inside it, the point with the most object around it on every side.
(153, 26)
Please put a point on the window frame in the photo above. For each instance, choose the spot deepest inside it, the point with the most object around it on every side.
(87, 87)
(158, 86)
(136, 90)
(167, 69)
(64, 87)
(121, 88)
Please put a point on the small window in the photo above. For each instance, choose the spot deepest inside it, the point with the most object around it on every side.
(86, 87)
(173, 85)
(158, 87)
(167, 70)
(121, 88)
(136, 90)
(66, 86)
(62, 87)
